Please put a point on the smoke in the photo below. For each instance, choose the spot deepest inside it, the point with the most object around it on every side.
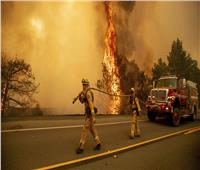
(64, 41)
(130, 43)
(122, 11)
(145, 33)
(145, 30)
(59, 41)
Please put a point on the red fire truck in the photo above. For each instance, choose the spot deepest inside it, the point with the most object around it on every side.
(172, 97)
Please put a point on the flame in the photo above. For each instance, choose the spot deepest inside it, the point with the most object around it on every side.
(110, 69)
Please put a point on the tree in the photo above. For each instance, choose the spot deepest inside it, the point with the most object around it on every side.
(17, 85)
(143, 86)
(180, 63)
(130, 76)
(159, 69)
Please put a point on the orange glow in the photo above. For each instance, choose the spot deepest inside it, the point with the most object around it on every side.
(37, 26)
(110, 69)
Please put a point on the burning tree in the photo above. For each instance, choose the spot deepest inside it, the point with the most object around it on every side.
(120, 74)
(17, 85)
(110, 70)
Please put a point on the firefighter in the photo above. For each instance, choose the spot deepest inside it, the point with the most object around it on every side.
(87, 98)
(135, 111)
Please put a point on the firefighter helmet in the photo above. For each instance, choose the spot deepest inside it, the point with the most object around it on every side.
(132, 89)
(85, 82)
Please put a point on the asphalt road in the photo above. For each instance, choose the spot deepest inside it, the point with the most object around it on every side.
(36, 148)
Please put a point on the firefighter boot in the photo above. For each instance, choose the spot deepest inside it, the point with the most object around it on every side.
(98, 146)
(79, 149)
(137, 135)
(131, 136)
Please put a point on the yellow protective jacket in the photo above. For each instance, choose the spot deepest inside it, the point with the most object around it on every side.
(89, 102)
(135, 105)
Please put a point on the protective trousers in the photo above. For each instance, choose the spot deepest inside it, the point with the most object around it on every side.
(135, 131)
(88, 125)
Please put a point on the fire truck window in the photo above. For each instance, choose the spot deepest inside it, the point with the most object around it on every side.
(166, 83)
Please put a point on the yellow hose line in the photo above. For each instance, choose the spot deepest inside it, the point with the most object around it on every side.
(110, 94)
(116, 95)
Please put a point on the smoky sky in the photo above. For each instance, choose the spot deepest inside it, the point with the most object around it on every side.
(59, 40)
(145, 30)
(64, 41)
(125, 43)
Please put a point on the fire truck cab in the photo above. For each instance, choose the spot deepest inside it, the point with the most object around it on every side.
(172, 97)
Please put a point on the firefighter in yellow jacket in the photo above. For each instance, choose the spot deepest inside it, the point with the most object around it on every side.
(87, 98)
(135, 111)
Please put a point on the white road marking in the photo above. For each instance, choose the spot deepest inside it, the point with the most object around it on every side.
(115, 151)
(65, 127)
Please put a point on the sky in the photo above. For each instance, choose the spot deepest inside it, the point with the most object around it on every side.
(64, 42)
(155, 25)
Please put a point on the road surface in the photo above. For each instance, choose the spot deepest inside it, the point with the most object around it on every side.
(36, 144)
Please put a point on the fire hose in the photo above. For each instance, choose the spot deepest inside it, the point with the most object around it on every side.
(110, 94)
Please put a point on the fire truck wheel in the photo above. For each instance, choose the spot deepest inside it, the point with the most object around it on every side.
(152, 116)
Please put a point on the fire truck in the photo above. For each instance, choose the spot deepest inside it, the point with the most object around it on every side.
(172, 97)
